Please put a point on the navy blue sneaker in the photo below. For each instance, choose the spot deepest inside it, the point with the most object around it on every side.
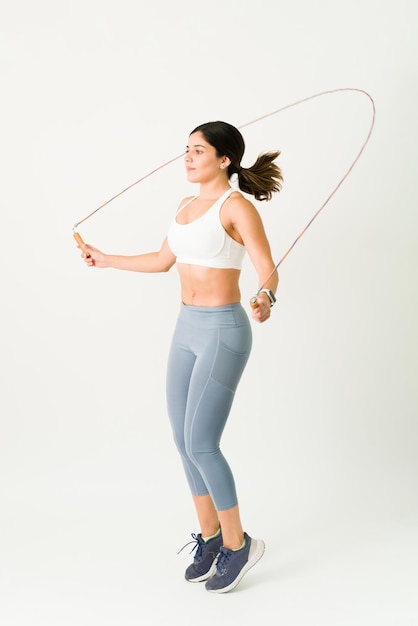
(231, 565)
(204, 562)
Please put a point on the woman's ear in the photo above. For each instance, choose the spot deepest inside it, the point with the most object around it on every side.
(225, 162)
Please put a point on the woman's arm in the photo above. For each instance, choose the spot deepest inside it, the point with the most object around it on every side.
(246, 222)
(159, 261)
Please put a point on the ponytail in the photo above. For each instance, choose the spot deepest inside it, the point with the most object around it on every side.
(262, 179)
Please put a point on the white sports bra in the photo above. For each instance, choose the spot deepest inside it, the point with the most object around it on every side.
(204, 241)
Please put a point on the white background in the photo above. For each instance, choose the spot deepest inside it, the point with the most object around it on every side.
(323, 435)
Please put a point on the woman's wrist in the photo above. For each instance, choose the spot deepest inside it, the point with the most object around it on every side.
(269, 295)
(109, 261)
(265, 297)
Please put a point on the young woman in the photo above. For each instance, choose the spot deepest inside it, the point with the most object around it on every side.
(207, 240)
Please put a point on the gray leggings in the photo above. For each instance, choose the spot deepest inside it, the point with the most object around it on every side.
(209, 351)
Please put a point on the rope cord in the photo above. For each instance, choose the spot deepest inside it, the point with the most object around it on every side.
(259, 119)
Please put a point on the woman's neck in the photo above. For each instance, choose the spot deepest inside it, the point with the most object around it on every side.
(213, 190)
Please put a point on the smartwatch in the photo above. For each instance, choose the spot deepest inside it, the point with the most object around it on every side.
(270, 295)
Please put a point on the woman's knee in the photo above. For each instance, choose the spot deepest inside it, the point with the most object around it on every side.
(200, 455)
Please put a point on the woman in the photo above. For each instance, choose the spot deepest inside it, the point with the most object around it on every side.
(207, 240)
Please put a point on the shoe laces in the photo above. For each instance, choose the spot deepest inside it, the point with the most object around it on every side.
(222, 560)
(198, 544)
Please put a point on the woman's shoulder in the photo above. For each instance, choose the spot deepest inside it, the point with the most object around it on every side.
(238, 202)
(240, 212)
(184, 202)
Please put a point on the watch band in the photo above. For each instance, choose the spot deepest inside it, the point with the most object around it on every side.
(270, 295)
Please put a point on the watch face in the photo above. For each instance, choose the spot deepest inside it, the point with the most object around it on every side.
(270, 294)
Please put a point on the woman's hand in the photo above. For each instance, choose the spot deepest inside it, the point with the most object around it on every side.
(92, 256)
(260, 308)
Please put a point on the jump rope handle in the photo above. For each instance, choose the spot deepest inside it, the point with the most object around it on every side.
(253, 302)
(80, 242)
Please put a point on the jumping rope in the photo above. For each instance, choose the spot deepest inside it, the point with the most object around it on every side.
(253, 300)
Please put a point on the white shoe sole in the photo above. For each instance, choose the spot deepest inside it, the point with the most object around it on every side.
(256, 552)
(201, 579)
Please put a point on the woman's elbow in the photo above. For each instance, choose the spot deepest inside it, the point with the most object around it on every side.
(166, 267)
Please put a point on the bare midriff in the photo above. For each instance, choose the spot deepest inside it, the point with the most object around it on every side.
(208, 286)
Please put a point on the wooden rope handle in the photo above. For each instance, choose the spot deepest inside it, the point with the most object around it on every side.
(80, 242)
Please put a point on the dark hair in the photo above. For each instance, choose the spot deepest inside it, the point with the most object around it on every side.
(261, 179)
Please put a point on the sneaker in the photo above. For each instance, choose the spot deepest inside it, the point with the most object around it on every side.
(231, 565)
(204, 562)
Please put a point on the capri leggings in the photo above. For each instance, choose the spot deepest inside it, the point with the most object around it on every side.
(209, 351)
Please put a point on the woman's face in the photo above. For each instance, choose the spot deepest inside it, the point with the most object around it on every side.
(202, 163)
